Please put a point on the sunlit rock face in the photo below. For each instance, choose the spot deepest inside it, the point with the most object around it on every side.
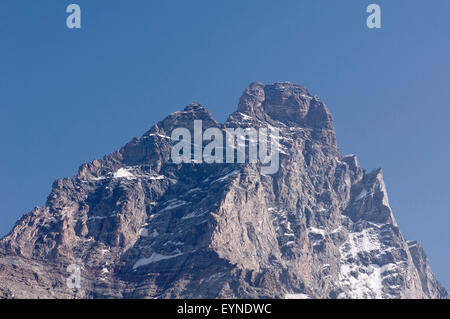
(141, 226)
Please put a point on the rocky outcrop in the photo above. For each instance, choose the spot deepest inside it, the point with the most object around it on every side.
(140, 226)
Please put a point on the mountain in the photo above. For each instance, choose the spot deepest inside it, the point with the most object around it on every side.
(138, 225)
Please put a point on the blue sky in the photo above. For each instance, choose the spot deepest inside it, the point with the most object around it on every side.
(69, 96)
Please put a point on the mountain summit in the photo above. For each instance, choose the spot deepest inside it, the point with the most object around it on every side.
(140, 226)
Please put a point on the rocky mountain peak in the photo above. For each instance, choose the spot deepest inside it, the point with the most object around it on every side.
(195, 106)
(288, 103)
(251, 100)
(284, 104)
(141, 226)
(185, 118)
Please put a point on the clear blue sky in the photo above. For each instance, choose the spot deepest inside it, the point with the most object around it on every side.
(69, 96)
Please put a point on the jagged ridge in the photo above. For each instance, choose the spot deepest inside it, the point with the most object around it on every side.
(142, 226)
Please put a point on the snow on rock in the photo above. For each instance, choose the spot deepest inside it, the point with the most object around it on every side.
(155, 257)
(296, 296)
(157, 177)
(226, 176)
(129, 173)
(317, 231)
(123, 173)
(363, 278)
(361, 195)
(194, 214)
(245, 117)
(143, 232)
(160, 135)
(173, 205)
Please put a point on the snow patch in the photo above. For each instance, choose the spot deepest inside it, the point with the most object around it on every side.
(226, 176)
(361, 195)
(143, 232)
(157, 177)
(175, 204)
(361, 280)
(317, 231)
(160, 135)
(296, 296)
(154, 258)
(123, 173)
(245, 116)
(193, 215)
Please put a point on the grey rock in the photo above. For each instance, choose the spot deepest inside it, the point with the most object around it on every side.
(141, 226)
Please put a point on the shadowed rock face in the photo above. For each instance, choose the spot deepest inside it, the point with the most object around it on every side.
(141, 226)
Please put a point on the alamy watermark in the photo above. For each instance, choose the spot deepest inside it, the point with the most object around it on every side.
(374, 19)
(73, 20)
(263, 145)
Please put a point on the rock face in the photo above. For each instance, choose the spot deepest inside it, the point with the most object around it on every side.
(140, 226)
